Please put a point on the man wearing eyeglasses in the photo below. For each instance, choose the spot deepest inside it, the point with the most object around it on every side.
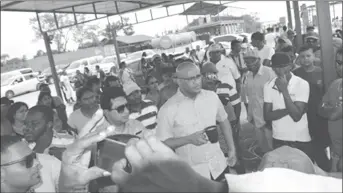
(23, 170)
(183, 118)
(285, 105)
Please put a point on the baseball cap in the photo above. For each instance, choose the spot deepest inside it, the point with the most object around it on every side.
(288, 157)
(280, 60)
(251, 53)
(6, 101)
(209, 67)
(215, 47)
(312, 35)
(130, 88)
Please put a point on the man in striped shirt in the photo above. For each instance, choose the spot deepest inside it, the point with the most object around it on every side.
(142, 110)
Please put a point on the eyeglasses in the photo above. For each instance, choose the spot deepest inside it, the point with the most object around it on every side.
(28, 160)
(121, 108)
(192, 79)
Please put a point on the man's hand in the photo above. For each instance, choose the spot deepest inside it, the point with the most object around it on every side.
(281, 83)
(232, 158)
(198, 138)
(73, 173)
(57, 152)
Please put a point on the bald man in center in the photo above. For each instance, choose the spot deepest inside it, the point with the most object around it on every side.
(182, 120)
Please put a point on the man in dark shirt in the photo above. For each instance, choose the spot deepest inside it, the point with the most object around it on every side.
(100, 74)
(318, 126)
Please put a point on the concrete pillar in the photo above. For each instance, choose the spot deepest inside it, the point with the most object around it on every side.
(297, 23)
(289, 15)
(325, 35)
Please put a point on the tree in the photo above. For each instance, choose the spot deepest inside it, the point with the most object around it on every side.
(60, 36)
(83, 33)
(125, 26)
(24, 58)
(4, 58)
(252, 22)
(39, 53)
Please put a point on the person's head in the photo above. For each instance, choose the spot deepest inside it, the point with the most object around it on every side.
(44, 88)
(281, 64)
(312, 39)
(114, 104)
(309, 29)
(193, 52)
(157, 60)
(215, 52)
(45, 98)
(78, 72)
(164, 57)
(94, 83)
(269, 29)
(97, 67)
(189, 78)
(252, 60)
(86, 70)
(290, 51)
(209, 76)
(133, 93)
(144, 54)
(197, 47)
(277, 29)
(306, 56)
(283, 42)
(87, 98)
(17, 112)
(187, 50)
(112, 81)
(245, 40)
(152, 83)
(5, 105)
(236, 46)
(290, 34)
(39, 122)
(167, 73)
(257, 39)
(20, 170)
(284, 28)
(122, 65)
(339, 62)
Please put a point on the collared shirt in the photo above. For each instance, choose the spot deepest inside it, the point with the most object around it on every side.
(50, 173)
(228, 71)
(265, 53)
(285, 128)
(239, 60)
(254, 90)
(147, 115)
(181, 116)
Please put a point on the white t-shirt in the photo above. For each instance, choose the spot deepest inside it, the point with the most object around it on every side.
(50, 173)
(270, 39)
(228, 71)
(286, 128)
(266, 53)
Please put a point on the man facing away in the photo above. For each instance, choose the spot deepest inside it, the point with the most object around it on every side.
(183, 118)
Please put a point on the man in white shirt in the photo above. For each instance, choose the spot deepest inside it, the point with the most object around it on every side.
(182, 119)
(200, 53)
(23, 170)
(285, 105)
(264, 51)
(270, 38)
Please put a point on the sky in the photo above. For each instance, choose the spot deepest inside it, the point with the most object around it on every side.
(17, 35)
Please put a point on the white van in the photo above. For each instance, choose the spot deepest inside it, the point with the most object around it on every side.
(15, 83)
(90, 62)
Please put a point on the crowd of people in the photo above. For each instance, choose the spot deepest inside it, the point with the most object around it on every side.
(297, 123)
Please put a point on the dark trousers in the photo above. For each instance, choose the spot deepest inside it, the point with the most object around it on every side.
(306, 147)
(320, 157)
(239, 167)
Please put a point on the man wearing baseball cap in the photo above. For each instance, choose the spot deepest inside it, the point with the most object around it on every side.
(258, 75)
(142, 110)
(285, 105)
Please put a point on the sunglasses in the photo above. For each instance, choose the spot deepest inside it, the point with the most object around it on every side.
(28, 160)
(121, 108)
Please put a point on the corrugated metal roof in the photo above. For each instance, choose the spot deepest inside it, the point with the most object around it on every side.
(134, 39)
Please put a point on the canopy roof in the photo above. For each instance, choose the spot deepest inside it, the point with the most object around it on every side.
(202, 8)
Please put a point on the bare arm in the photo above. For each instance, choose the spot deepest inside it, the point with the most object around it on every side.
(266, 62)
(225, 126)
(295, 109)
(177, 142)
(270, 115)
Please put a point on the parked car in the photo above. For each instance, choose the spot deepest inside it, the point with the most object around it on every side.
(81, 64)
(15, 84)
(46, 75)
(226, 38)
(108, 62)
(133, 60)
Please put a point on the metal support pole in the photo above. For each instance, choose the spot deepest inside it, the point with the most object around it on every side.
(114, 35)
(75, 18)
(152, 17)
(289, 15)
(39, 24)
(56, 22)
(184, 9)
(297, 23)
(94, 9)
(52, 63)
(328, 55)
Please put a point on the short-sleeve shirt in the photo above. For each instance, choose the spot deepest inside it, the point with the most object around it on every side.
(147, 116)
(254, 90)
(332, 97)
(228, 71)
(50, 173)
(181, 116)
(286, 128)
(266, 53)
